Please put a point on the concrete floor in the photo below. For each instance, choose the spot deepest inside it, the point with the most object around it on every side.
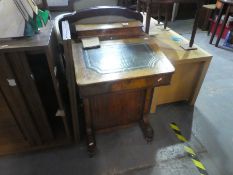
(208, 125)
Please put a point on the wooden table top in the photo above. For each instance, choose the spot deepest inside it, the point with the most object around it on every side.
(169, 42)
(86, 76)
(38, 41)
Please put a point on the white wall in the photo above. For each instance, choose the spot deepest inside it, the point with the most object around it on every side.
(82, 4)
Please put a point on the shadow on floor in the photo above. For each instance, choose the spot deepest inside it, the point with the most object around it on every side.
(120, 152)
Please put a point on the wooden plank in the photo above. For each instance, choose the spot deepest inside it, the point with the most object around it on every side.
(52, 64)
(9, 86)
(114, 109)
(10, 133)
(26, 148)
(203, 70)
(70, 77)
(182, 84)
(88, 27)
(24, 75)
(188, 77)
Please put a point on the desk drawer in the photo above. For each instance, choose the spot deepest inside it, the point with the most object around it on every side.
(128, 84)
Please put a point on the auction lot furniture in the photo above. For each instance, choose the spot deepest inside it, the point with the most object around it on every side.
(190, 69)
(207, 11)
(160, 4)
(32, 112)
(228, 5)
(150, 3)
(116, 80)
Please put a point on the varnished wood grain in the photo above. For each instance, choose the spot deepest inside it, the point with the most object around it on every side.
(29, 43)
(118, 98)
(128, 29)
(24, 99)
(111, 110)
(112, 33)
(191, 67)
(17, 103)
(86, 76)
(70, 78)
(20, 65)
(88, 27)
(112, 30)
(182, 85)
(10, 133)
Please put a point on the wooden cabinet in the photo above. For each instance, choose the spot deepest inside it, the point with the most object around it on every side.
(32, 112)
(11, 136)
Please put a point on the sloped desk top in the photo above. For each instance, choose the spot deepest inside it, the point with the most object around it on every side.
(87, 76)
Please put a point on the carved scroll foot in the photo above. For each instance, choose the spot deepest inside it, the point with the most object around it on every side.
(147, 131)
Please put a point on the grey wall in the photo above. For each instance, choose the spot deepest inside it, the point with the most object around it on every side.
(82, 4)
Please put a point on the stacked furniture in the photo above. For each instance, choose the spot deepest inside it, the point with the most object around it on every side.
(149, 4)
(116, 90)
(32, 110)
(228, 5)
(191, 67)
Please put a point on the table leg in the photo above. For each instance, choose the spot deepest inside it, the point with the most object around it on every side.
(166, 16)
(138, 6)
(91, 142)
(216, 25)
(159, 19)
(148, 16)
(223, 25)
(190, 46)
(144, 123)
(195, 25)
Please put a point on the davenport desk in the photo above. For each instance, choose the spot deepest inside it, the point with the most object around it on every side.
(116, 80)
(116, 83)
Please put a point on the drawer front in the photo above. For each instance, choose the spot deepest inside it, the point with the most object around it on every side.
(129, 84)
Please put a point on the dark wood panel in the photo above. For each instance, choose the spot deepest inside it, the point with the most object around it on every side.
(70, 78)
(6, 118)
(116, 109)
(112, 33)
(26, 81)
(16, 102)
(9, 131)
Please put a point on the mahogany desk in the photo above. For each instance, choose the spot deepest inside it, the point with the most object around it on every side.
(114, 97)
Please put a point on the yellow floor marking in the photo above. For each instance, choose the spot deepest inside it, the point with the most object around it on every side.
(182, 138)
(174, 127)
(198, 164)
(189, 150)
